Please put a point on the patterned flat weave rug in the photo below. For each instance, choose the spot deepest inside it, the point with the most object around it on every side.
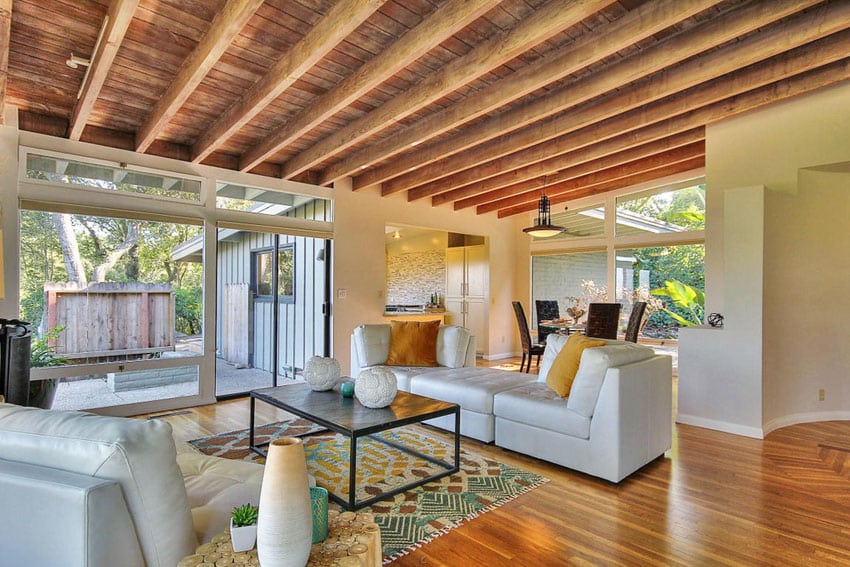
(414, 517)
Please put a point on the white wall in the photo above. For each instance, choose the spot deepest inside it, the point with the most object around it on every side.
(806, 313)
(360, 264)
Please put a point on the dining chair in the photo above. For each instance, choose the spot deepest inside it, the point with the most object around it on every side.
(529, 349)
(635, 321)
(603, 320)
(547, 309)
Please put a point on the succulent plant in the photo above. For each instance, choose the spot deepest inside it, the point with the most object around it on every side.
(245, 515)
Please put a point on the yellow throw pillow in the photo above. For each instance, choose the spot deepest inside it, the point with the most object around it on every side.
(413, 343)
(565, 366)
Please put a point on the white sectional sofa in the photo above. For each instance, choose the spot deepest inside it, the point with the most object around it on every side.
(83, 490)
(617, 418)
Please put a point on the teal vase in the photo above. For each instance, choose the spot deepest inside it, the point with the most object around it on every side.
(319, 505)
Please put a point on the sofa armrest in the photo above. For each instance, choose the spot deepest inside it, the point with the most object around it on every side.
(55, 517)
(634, 413)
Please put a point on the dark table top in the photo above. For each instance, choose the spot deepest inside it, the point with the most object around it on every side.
(347, 415)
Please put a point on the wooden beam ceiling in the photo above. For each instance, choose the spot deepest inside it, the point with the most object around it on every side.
(612, 37)
(440, 26)
(483, 104)
(5, 35)
(343, 18)
(227, 23)
(676, 49)
(112, 33)
(495, 51)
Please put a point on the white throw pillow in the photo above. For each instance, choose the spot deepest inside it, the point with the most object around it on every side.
(452, 344)
(595, 362)
(373, 343)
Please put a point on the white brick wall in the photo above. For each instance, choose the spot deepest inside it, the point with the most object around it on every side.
(560, 276)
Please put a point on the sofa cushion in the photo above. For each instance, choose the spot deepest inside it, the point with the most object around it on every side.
(595, 362)
(452, 346)
(215, 486)
(471, 388)
(137, 454)
(537, 405)
(413, 343)
(404, 374)
(565, 366)
(373, 344)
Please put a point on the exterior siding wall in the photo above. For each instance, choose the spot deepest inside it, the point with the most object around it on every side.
(301, 331)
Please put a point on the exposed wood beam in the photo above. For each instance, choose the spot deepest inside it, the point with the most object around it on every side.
(545, 22)
(640, 123)
(439, 26)
(119, 16)
(226, 25)
(340, 21)
(5, 36)
(772, 93)
(651, 60)
(606, 161)
(587, 190)
(633, 27)
(601, 175)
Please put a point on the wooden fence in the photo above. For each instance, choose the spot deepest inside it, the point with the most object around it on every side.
(110, 320)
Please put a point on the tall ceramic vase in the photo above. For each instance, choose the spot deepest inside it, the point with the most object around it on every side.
(285, 522)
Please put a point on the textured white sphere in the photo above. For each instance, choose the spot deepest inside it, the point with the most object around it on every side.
(321, 373)
(376, 387)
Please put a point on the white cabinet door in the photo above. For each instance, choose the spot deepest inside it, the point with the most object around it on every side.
(467, 270)
(477, 267)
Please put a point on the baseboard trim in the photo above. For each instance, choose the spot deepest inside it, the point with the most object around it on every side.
(500, 356)
(724, 426)
(808, 417)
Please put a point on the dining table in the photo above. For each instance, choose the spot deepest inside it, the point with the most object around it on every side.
(562, 326)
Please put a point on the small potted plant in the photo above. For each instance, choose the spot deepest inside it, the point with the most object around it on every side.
(243, 527)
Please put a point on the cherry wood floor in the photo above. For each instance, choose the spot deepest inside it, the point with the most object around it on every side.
(713, 499)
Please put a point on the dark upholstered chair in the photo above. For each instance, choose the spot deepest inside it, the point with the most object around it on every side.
(529, 349)
(603, 320)
(546, 309)
(635, 321)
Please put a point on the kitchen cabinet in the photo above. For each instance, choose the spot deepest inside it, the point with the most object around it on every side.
(467, 290)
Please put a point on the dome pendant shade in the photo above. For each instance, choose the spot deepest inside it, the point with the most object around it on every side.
(543, 227)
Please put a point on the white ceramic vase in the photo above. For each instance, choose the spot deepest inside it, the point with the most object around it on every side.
(376, 387)
(322, 373)
(285, 522)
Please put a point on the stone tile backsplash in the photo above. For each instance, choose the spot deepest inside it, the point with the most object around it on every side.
(412, 277)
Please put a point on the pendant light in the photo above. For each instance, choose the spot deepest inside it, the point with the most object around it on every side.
(543, 227)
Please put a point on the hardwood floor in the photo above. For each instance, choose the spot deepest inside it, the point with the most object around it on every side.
(713, 499)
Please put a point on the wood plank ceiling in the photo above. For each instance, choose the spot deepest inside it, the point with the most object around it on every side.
(480, 104)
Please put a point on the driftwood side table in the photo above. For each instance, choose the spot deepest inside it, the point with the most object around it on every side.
(354, 540)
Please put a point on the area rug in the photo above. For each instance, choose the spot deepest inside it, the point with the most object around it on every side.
(414, 517)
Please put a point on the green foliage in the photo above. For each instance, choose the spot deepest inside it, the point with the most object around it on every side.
(188, 309)
(686, 298)
(245, 515)
(42, 354)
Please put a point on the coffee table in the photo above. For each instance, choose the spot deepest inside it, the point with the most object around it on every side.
(350, 418)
